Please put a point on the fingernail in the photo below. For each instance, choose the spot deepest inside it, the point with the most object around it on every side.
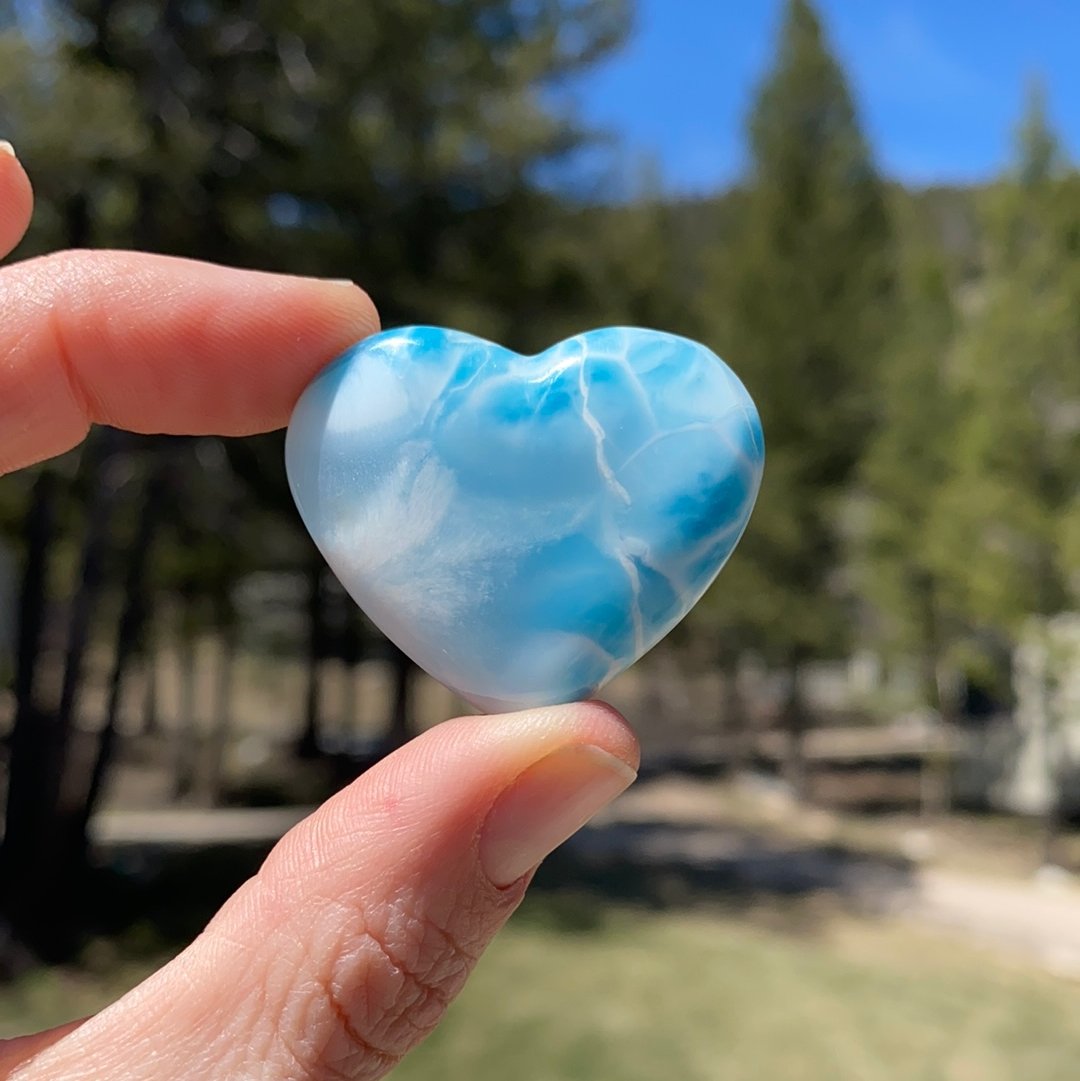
(548, 803)
(6, 148)
(341, 281)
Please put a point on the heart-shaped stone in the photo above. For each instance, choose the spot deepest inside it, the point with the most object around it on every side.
(525, 527)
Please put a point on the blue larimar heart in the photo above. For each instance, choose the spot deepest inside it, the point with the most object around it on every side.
(525, 527)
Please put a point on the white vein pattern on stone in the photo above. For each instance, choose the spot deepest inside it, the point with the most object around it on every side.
(525, 527)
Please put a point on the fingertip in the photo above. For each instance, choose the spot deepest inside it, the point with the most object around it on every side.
(613, 732)
(525, 735)
(16, 199)
(594, 723)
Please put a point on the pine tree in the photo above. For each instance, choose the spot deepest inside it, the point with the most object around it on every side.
(806, 300)
(907, 460)
(900, 478)
(1002, 519)
(1002, 532)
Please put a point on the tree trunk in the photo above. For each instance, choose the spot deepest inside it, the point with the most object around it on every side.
(351, 652)
(935, 782)
(795, 719)
(128, 634)
(1052, 818)
(78, 221)
(1051, 827)
(28, 763)
(1053, 742)
(401, 727)
(84, 604)
(223, 711)
(350, 702)
(151, 721)
(186, 736)
(309, 744)
(734, 717)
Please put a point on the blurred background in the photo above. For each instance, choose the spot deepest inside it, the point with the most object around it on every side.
(852, 851)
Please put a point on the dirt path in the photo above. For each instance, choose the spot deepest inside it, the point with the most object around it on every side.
(194, 828)
(1041, 922)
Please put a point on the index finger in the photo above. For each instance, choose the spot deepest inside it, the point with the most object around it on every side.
(155, 344)
(16, 198)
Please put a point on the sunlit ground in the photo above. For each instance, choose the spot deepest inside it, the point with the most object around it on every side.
(797, 993)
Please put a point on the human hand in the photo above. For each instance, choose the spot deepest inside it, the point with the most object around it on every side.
(365, 920)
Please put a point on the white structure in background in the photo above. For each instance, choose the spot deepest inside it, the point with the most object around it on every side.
(1046, 682)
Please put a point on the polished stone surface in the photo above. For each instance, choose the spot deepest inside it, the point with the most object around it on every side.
(525, 527)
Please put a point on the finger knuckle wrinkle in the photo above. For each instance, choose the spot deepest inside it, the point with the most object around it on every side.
(395, 987)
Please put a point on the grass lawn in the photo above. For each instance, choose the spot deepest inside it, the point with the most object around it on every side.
(635, 996)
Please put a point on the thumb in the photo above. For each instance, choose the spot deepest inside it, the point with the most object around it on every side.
(364, 922)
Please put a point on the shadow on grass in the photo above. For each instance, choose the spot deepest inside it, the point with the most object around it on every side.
(168, 895)
(161, 898)
(664, 866)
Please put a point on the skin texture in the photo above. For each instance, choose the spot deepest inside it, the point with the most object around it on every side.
(366, 919)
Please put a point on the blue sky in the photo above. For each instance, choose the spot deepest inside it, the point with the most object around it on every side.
(939, 83)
